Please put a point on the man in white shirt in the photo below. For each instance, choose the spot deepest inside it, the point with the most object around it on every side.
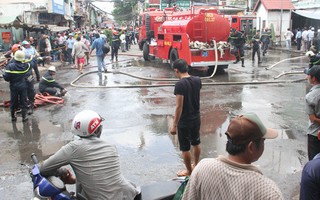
(288, 35)
(305, 39)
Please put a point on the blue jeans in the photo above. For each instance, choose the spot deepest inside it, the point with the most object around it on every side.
(288, 44)
(69, 51)
(100, 62)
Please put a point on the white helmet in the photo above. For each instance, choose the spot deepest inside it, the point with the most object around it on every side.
(86, 123)
(19, 56)
(52, 68)
(310, 53)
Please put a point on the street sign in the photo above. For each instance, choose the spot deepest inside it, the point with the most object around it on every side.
(180, 3)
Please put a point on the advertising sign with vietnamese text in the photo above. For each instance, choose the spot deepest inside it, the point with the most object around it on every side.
(58, 6)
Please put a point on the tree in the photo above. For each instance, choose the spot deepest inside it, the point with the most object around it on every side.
(125, 11)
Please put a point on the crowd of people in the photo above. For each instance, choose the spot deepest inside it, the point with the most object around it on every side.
(74, 47)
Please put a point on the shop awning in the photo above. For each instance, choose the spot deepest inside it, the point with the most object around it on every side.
(10, 20)
(310, 13)
(54, 28)
(68, 18)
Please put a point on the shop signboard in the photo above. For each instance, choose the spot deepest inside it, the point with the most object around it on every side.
(180, 3)
(6, 36)
(58, 6)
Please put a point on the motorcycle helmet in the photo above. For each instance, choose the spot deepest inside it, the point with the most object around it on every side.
(15, 47)
(87, 123)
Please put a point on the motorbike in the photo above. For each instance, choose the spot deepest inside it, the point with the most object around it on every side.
(53, 188)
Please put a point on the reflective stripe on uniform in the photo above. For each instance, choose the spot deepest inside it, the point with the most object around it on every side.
(49, 81)
(18, 72)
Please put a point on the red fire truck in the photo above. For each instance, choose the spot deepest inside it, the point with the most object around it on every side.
(188, 35)
(242, 22)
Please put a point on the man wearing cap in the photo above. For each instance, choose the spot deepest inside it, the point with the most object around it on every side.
(16, 73)
(233, 176)
(313, 111)
(48, 83)
(238, 40)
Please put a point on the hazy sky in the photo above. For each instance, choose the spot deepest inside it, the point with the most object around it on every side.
(105, 6)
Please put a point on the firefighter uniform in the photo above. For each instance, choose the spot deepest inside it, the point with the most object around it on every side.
(115, 45)
(16, 73)
(238, 40)
(314, 59)
(265, 39)
(256, 46)
(48, 84)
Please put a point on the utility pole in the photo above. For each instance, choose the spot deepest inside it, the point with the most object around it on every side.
(281, 21)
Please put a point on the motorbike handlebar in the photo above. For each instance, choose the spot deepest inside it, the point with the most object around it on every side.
(34, 158)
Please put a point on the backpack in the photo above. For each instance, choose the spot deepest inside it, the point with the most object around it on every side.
(105, 48)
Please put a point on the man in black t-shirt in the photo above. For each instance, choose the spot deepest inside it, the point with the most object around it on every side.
(187, 115)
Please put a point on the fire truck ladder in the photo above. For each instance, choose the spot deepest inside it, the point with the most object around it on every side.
(197, 30)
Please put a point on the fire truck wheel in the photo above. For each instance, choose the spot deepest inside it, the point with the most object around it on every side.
(173, 56)
(220, 70)
(145, 52)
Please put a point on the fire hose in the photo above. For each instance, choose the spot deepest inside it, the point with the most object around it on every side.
(73, 83)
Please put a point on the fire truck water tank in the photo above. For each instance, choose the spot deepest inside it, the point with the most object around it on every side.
(203, 27)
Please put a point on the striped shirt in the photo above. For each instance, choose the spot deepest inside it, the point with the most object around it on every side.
(222, 179)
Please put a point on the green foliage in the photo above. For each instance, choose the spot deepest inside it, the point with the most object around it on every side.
(273, 34)
(125, 11)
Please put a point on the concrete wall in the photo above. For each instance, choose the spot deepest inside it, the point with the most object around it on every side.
(274, 17)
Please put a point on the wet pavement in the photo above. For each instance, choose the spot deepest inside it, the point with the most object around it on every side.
(137, 119)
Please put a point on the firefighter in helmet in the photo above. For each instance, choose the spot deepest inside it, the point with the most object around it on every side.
(15, 73)
(238, 40)
(115, 44)
(48, 83)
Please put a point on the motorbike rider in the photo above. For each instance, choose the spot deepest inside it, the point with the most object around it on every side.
(16, 73)
(48, 83)
(95, 162)
(238, 40)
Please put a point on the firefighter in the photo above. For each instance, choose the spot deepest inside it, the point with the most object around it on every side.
(238, 40)
(265, 39)
(15, 73)
(115, 45)
(48, 83)
(255, 43)
(314, 59)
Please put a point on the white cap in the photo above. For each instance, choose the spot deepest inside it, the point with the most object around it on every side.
(52, 68)
(312, 28)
